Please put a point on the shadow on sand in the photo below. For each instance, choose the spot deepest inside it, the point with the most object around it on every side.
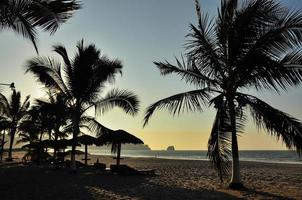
(21, 182)
(266, 195)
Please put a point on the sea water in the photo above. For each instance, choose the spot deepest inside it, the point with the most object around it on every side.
(268, 156)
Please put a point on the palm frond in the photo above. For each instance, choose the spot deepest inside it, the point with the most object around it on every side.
(26, 103)
(24, 16)
(96, 127)
(224, 31)
(219, 143)
(123, 99)
(13, 16)
(282, 34)
(4, 105)
(48, 72)
(187, 101)
(188, 71)
(274, 75)
(61, 50)
(15, 103)
(90, 71)
(202, 45)
(50, 14)
(270, 33)
(275, 122)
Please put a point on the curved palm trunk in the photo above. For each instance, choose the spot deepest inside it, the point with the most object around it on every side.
(235, 180)
(11, 142)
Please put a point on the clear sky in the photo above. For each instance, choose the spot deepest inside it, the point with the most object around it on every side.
(139, 32)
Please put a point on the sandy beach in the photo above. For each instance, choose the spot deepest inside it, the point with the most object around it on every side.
(174, 179)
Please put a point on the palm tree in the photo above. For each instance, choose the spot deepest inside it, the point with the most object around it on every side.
(81, 80)
(3, 128)
(251, 45)
(26, 16)
(55, 107)
(33, 128)
(13, 111)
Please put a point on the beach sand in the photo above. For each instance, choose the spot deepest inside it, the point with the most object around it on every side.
(174, 179)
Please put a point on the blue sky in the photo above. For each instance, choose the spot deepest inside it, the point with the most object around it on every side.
(139, 32)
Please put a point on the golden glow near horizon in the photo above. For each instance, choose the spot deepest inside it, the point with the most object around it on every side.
(186, 132)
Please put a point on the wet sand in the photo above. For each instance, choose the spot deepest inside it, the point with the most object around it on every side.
(174, 179)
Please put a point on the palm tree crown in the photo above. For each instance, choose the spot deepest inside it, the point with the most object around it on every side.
(13, 112)
(81, 80)
(251, 45)
(25, 16)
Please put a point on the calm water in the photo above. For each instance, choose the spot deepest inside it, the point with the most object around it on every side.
(259, 156)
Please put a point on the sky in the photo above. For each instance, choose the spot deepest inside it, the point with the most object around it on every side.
(139, 32)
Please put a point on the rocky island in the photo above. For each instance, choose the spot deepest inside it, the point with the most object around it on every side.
(170, 148)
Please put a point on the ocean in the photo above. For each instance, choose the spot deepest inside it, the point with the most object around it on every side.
(290, 157)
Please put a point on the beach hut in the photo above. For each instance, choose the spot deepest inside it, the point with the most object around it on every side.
(86, 140)
(116, 139)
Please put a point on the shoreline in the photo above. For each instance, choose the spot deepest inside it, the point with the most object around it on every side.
(202, 159)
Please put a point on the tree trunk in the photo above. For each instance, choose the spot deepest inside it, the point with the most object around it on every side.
(55, 147)
(11, 142)
(75, 133)
(235, 180)
(39, 149)
(86, 152)
(118, 157)
(2, 146)
(72, 158)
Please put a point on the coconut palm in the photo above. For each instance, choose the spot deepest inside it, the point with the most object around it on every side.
(55, 107)
(81, 80)
(26, 16)
(13, 110)
(36, 124)
(251, 45)
(4, 124)
(29, 134)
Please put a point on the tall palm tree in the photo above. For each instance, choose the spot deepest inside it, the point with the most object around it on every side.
(81, 80)
(13, 111)
(26, 16)
(251, 45)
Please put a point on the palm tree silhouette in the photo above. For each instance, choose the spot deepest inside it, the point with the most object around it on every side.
(56, 108)
(256, 45)
(4, 126)
(81, 80)
(13, 110)
(26, 16)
